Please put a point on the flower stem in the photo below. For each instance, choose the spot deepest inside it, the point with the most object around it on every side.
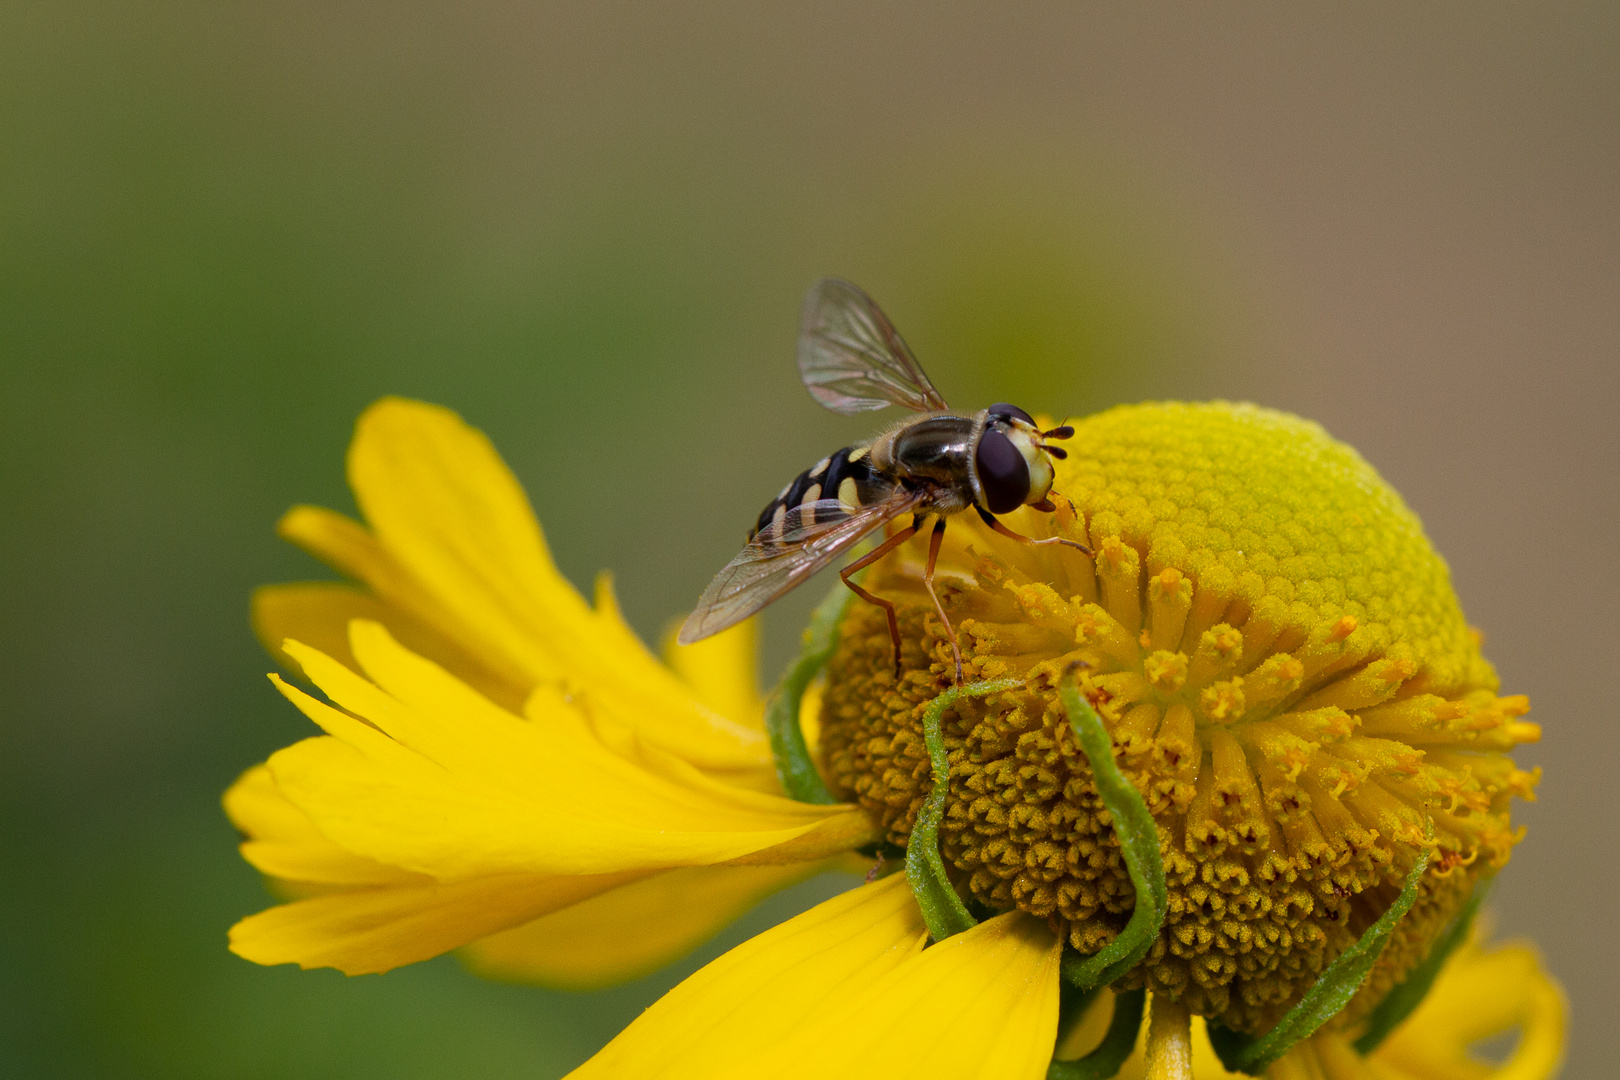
(1169, 1042)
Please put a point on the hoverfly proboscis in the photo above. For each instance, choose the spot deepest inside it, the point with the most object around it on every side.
(935, 464)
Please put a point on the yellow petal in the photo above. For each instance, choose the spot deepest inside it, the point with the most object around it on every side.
(562, 724)
(318, 613)
(284, 843)
(364, 931)
(351, 549)
(632, 930)
(1480, 994)
(1337, 1059)
(844, 990)
(810, 717)
(443, 782)
(757, 994)
(723, 671)
(465, 552)
(982, 1004)
(1206, 1065)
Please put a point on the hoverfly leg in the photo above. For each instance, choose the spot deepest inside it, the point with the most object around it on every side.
(888, 606)
(991, 520)
(928, 580)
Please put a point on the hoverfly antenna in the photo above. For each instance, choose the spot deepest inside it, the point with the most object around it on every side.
(1062, 431)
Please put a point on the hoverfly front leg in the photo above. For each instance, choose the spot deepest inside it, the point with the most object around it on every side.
(887, 605)
(928, 579)
(991, 520)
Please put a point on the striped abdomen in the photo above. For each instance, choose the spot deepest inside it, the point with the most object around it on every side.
(847, 476)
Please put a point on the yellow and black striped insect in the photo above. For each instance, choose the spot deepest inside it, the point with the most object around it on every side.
(936, 464)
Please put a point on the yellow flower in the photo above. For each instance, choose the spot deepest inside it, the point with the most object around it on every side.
(504, 766)
(506, 770)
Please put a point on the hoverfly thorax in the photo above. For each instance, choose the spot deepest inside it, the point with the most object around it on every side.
(933, 450)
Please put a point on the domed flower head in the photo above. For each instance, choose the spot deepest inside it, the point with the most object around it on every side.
(1245, 763)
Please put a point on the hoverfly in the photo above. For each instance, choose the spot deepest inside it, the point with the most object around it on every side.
(935, 464)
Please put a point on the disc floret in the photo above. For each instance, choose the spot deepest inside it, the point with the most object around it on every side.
(1287, 679)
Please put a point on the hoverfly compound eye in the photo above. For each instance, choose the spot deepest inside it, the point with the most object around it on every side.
(1011, 412)
(1003, 472)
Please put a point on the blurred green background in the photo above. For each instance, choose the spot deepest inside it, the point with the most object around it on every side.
(226, 228)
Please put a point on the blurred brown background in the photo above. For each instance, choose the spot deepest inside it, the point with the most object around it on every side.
(225, 228)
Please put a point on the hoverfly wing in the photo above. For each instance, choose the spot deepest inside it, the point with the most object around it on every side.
(852, 359)
(811, 536)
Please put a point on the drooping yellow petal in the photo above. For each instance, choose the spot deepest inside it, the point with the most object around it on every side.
(810, 717)
(314, 612)
(1337, 1059)
(1087, 1032)
(443, 782)
(454, 541)
(428, 689)
(360, 928)
(632, 930)
(353, 550)
(1206, 1065)
(845, 990)
(1480, 994)
(723, 671)
(1300, 1063)
(982, 1004)
(364, 931)
(284, 843)
(318, 613)
(600, 929)
(756, 995)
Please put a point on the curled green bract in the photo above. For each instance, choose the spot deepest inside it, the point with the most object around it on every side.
(1116, 1046)
(1330, 993)
(943, 910)
(945, 914)
(1399, 1002)
(795, 769)
(1138, 843)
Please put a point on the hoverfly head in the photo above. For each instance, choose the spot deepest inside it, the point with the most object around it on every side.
(1012, 460)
